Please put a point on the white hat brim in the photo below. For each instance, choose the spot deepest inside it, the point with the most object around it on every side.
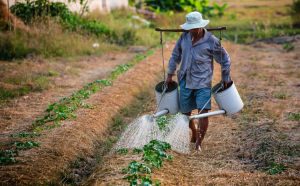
(187, 26)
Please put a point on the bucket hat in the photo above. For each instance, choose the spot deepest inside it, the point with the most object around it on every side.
(194, 20)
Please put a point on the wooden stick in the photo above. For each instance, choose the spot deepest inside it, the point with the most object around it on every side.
(181, 30)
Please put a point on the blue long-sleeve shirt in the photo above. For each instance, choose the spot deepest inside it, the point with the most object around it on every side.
(197, 60)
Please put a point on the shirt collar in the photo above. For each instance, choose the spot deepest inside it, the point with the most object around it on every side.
(203, 39)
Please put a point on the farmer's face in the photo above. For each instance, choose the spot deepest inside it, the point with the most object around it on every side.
(196, 30)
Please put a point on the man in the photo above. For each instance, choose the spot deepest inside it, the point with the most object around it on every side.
(195, 51)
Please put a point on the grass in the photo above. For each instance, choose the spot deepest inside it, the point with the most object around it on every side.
(23, 83)
(49, 41)
(293, 116)
(124, 20)
(280, 95)
(245, 24)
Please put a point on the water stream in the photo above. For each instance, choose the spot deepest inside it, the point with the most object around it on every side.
(144, 129)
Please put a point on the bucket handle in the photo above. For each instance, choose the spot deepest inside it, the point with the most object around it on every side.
(162, 95)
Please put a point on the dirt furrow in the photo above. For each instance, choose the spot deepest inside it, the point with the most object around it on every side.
(23, 111)
(77, 137)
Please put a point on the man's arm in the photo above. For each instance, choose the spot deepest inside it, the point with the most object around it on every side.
(221, 56)
(174, 60)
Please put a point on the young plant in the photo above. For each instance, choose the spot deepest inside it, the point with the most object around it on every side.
(153, 156)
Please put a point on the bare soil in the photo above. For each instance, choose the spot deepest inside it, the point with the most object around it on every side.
(240, 149)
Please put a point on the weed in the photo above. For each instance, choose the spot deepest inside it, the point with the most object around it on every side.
(275, 168)
(293, 116)
(288, 47)
(5, 93)
(280, 95)
(53, 73)
(123, 151)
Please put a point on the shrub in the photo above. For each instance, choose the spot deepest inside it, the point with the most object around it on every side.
(30, 10)
(11, 48)
(39, 9)
(295, 13)
(185, 5)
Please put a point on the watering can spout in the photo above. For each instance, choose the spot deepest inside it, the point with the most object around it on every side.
(217, 112)
(161, 113)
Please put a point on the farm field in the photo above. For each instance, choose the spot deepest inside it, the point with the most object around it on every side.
(233, 152)
(63, 109)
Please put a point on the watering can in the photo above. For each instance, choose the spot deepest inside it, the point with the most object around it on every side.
(228, 100)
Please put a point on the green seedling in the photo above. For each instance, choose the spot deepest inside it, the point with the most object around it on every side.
(275, 169)
(25, 135)
(123, 151)
(288, 47)
(20, 145)
(154, 153)
(293, 116)
(8, 157)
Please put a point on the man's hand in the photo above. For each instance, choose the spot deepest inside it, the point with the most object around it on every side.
(226, 84)
(169, 79)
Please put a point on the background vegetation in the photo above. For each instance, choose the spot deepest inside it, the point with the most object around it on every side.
(52, 30)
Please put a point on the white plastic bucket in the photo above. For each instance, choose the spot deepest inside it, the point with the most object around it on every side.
(228, 99)
(170, 99)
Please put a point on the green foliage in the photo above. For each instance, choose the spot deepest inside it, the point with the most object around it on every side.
(10, 49)
(5, 94)
(123, 151)
(66, 106)
(294, 116)
(39, 9)
(20, 145)
(120, 69)
(220, 9)
(185, 5)
(295, 13)
(31, 10)
(162, 121)
(154, 153)
(288, 47)
(275, 168)
(64, 109)
(135, 150)
(25, 135)
(281, 95)
(7, 157)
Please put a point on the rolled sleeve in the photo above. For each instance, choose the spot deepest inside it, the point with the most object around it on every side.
(221, 56)
(176, 57)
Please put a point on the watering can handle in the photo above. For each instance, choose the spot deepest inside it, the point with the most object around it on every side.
(165, 87)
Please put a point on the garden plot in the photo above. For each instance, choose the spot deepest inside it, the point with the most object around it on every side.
(76, 137)
(260, 145)
(267, 77)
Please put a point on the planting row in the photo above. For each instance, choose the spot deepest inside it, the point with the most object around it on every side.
(138, 172)
(62, 110)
